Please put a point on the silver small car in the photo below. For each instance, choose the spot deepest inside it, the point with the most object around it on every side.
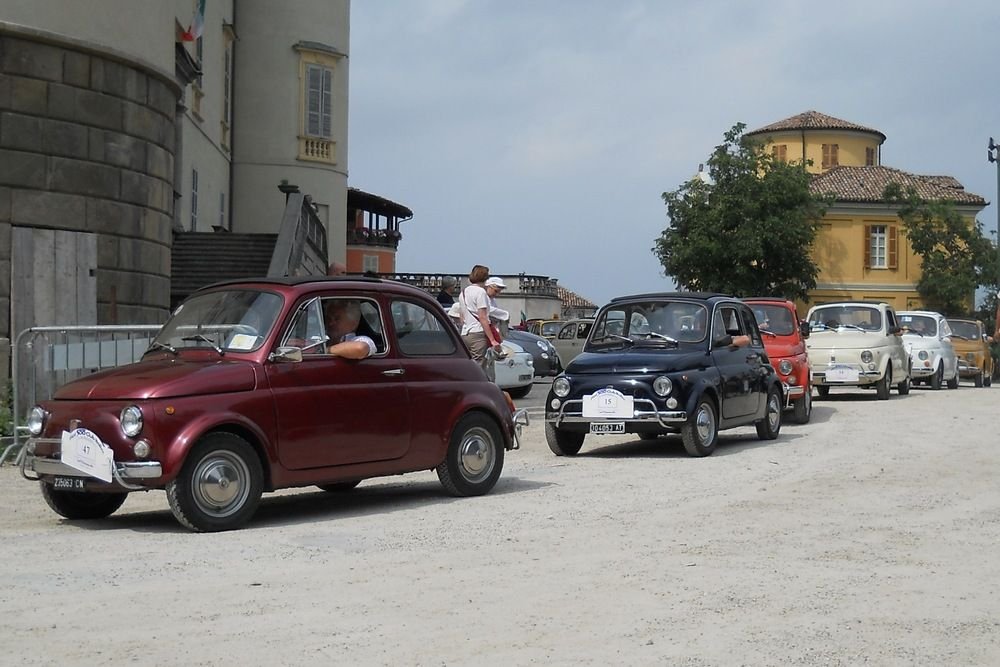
(927, 339)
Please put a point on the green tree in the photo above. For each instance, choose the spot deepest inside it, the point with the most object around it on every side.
(747, 232)
(955, 256)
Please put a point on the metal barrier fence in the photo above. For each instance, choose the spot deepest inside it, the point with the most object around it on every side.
(44, 358)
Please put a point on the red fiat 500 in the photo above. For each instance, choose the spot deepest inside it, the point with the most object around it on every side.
(244, 391)
(784, 339)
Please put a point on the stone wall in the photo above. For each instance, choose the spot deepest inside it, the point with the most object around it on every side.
(87, 144)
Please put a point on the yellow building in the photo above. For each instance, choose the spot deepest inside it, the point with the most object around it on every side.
(861, 249)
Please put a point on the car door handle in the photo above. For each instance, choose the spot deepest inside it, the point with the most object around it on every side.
(393, 372)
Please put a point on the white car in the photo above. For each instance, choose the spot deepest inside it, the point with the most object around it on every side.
(514, 372)
(857, 344)
(927, 339)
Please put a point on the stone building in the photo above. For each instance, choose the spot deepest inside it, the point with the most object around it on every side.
(114, 139)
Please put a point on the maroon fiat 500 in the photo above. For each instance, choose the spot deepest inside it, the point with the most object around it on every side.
(239, 393)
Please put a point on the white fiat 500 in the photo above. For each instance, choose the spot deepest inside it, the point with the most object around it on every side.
(927, 339)
(857, 344)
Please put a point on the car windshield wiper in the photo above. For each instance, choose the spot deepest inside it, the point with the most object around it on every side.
(955, 335)
(911, 331)
(662, 337)
(624, 339)
(206, 339)
(769, 333)
(165, 346)
(852, 326)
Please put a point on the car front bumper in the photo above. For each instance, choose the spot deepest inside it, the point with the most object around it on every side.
(645, 413)
(865, 377)
(42, 458)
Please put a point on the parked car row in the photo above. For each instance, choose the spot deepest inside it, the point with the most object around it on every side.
(695, 364)
(244, 390)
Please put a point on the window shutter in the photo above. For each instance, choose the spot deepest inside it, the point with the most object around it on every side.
(834, 155)
(891, 259)
(327, 106)
(868, 246)
(314, 93)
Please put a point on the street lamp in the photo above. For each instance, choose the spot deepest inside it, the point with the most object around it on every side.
(993, 155)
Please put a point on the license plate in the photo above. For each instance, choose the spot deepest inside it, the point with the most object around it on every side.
(600, 428)
(842, 374)
(69, 483)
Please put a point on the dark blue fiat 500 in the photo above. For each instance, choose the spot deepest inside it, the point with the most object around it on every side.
(654, 364)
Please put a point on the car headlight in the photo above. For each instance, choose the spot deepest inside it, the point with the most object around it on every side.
(131, 421)
(971, 356)
(542, 344)
(922, 355)
(785, 367)
(36, 420)
(866, 356)
(560, 387)
(662, 386)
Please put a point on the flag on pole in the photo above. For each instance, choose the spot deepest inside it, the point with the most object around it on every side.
(197, 26)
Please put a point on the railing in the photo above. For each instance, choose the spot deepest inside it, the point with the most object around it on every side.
(44, 358)
(388, 238)
(516, 284)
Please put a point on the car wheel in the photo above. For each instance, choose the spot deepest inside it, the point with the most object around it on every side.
(474, 460)
(802, 408)
(980, 379)
(339, 487)
(219, 486)
(953, 382)
(82, 504)
(987, 379)
(563, 443)
(883, 385)
(822, 391)
(700, 432)
(937, 378)
(903, 388)
(770, 425)
(519, 392)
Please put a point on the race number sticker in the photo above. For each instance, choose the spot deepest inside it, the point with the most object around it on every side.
(82, 450)
(607, 403)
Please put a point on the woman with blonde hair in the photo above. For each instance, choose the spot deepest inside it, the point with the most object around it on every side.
(475, 307)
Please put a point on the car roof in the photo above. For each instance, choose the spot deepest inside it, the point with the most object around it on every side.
(690, 296)
(357, 282)
(767, 299)
(874, 304)
(928, 313)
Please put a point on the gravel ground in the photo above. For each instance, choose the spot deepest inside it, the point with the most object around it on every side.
(864, 537)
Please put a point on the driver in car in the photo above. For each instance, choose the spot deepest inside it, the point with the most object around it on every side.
(342, 319)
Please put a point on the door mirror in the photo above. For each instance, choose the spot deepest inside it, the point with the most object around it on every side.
(804, 329)
(286, 354)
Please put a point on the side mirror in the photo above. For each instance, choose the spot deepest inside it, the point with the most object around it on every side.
(286, 354)
(896, 331)
(804, 329)
(724, 341)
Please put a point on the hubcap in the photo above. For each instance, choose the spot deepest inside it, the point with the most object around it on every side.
(220, 484)
(773, 412)
(705, 424)
(477, 454)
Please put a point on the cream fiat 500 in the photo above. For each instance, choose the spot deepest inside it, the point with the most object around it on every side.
(857, 344)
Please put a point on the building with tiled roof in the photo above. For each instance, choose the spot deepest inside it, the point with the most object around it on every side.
(574, 305)
(861, 248)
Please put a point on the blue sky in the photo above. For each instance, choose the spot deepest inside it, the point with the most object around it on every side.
(537, 136)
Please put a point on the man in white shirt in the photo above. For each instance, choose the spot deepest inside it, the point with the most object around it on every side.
(342, 319)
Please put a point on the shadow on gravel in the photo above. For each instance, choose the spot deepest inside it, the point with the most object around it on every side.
(312, 504)
(670, 447)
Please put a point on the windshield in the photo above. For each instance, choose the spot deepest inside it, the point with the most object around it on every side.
(865, 318)
(235, 320)
(650, 322)
(552, 328)
(918, 324)
(965, 329)
(776, 319)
